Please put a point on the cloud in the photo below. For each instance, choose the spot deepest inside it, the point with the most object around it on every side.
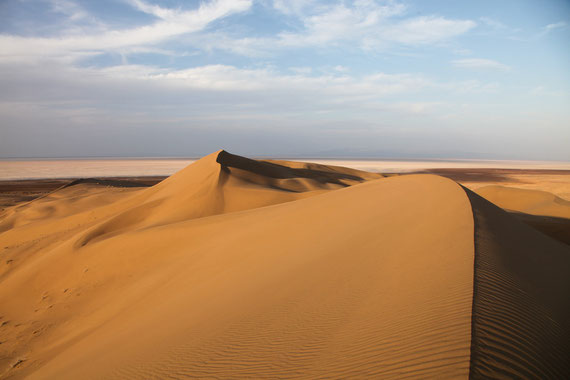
(291, 7)
(321, 74)
(495, 24)
(70, 9)
(201, 90)
(301, 70)
(369, 24)
(550, 28)
(426, 30)
(480, 64)
(172, 22)
(341, 68)
(558, 25)
(205, 103)
(365, 24)
(340, 22)
(230, 78)
(209, 101)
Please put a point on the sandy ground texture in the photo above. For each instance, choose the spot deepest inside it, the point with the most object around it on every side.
(235, 268)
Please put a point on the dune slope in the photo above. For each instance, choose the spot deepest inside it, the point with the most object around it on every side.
(302, 288)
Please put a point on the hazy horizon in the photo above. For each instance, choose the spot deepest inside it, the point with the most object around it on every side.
(354, 157)
(382, 79)
(144, 167)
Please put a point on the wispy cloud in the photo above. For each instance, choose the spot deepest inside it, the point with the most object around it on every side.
(426, 30)
(172, 22)
(557, 25)
(70, 9)
(495, 24)
(547, 29)
(231, 78)
(480, 64)
(292, 7)
(365, 24)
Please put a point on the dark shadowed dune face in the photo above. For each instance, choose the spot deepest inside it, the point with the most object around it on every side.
(521, 309)
(556, 228)
(272, 170)
(288, 176)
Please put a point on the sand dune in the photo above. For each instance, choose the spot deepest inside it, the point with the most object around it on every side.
(262, 269)
(533, 202)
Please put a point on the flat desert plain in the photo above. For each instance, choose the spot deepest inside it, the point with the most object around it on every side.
(240, 268)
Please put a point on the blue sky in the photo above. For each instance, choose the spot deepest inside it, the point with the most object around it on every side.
(364, 78)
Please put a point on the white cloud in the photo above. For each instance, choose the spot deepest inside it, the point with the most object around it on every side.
(366, 24)
(213, 85)
(340, 22)
(557, 25)
(550, 28)
(426, 30)
(231, 78)
(155, 10)
(172, 23)
(341, 69)
(480, 64)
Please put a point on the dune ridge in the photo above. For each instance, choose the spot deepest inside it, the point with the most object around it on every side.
(242, 268)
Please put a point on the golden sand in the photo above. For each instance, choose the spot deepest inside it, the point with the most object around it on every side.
(232, 268)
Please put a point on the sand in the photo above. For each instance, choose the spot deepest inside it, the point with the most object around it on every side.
(533, 202)
(237, 268)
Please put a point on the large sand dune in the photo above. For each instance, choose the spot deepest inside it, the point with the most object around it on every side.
(241, 268)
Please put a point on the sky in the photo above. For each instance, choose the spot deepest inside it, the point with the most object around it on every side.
(299, 78)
